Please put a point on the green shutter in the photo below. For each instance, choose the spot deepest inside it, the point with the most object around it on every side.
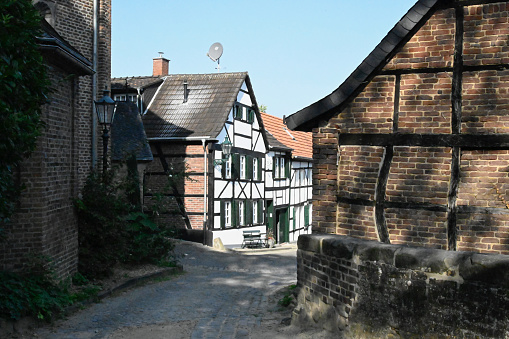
(235, 166)
(249, 167)
(248, 207)
(259, 169)
(306, 215)
(260, 211)
(294, 218)
(222, 214)
(250, 116)
(274, 167)
(287, 167)
(235, 213)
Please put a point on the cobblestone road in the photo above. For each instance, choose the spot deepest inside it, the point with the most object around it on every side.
(221, 295)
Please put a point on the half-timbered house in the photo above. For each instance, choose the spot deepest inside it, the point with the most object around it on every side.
(187, 119)
(413, 147)
(287, 180)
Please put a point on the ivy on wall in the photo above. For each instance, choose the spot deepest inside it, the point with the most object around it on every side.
(23, 88)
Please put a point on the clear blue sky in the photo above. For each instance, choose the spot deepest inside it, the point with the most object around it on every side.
(296, 52)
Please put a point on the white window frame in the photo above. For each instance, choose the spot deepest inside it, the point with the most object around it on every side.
(282, 167)
(297, 177)
(276, 167)
(255, 168)
(227, 213)
(244, 113)
(255, 212)
(228, 167)
(243, 167)
(242, 219)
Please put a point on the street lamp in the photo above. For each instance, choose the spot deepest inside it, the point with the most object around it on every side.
(105, 109)
(227, 150)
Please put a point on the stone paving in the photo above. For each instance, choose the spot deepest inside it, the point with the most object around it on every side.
(223, 294)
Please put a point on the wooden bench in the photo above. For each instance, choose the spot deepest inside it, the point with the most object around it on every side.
(252, 239)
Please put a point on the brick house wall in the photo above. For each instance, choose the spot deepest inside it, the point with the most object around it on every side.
(46, 222)
(178, 157)
(418, 155)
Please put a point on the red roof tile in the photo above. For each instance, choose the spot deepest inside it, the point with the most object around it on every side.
(300, 142)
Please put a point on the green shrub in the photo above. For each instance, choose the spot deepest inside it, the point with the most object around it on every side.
(113, 229)
(33, 292)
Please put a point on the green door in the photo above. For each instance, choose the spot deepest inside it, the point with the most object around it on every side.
(282, 226)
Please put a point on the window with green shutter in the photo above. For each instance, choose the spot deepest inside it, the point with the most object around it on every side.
(286, 168)
(306, 215)
(251, 116)
(226, 214)
(238, 112)
(261, 218)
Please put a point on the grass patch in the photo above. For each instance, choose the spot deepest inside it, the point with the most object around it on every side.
(288, 296)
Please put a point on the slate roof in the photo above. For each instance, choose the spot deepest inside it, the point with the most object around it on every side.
(300, 142)
(308, 117)
(210, 99)
(128, 135)
(58, 51)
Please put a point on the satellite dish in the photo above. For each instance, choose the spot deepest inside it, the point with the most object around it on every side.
(215, 51)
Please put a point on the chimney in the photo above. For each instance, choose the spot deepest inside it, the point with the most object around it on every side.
(161, 66)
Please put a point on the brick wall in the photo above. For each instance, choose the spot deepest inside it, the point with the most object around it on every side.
(46, 223)
(180, 157)
(413, 95)
(365, 289)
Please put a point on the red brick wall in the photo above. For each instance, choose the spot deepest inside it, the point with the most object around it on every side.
(182, 157)
(417, 190)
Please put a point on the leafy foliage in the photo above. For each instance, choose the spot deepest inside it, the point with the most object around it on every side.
(113, 229)
(23, 89)
(34, 292)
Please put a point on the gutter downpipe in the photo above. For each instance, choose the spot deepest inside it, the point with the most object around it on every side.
(204, 192)
(94, 83)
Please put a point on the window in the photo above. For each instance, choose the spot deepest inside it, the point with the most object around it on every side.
(303, 178)
(297, 177)
(242, 216)
(281, 167)
(238, 112)
(276, 168)
(255, 212)
(255, 168)
(227, 213)
(243, 167)
(228, 167)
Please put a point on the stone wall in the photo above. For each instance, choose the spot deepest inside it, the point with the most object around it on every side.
(365, 289)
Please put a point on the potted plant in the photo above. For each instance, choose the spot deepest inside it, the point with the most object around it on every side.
(270, 239)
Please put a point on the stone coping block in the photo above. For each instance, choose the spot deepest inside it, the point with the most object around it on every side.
(471, 266)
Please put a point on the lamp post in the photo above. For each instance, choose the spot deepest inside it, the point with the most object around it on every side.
(105, 109)
(226, 147)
